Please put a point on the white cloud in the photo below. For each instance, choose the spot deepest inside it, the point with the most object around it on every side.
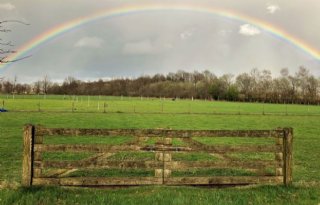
(249, 30)
(139, 47)
(7, 6)
(91, 42)
(186, 34)
(272, 8)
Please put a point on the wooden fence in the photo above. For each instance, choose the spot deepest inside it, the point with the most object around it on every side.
(166, 166)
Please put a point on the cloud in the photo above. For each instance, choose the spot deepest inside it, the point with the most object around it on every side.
(249, 30)
(224, 32)
(272, 8)
(147, 47)
(186, 34)
(7, 6)
(139, 47)
(90, 42)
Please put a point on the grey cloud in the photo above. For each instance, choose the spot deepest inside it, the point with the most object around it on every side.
(7, 6)
(152, 42)
(139, 48)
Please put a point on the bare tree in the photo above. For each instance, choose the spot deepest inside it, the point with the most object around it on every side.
(6, 46)
(46, 84)
(37, 87)
(284, 72)
(245, 84)
(7, 87)
(1, 83)
(312, 87)
(302, 79)
(15, 80)
(264, 85)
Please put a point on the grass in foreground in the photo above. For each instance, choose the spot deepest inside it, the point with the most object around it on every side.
(162, 195)
(306, 155)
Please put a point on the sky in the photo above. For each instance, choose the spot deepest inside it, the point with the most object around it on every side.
(162, 41)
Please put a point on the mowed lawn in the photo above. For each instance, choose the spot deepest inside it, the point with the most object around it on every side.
(306, 174)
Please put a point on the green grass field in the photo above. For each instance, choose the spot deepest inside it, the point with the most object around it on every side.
(192, 115)
(109, 104)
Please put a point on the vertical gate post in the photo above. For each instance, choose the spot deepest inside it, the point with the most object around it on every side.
(279, 156)
(287, 153)
(37, 156)
(28, 136)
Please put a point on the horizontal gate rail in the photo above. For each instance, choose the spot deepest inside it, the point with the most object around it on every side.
(105, 148)
(158, 132)
(166, 167)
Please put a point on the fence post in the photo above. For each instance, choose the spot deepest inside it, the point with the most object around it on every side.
(287, 156)
(37, 156)
(28, 136)
(162, 107)
(279, 155)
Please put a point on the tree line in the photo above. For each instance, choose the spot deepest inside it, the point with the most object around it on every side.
(254, 86)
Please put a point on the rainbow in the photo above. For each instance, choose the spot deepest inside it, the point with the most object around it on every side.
(127, 10)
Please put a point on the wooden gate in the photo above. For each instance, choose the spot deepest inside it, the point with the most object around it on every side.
(85, 157)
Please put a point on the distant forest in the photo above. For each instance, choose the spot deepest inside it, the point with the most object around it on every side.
(255, 86)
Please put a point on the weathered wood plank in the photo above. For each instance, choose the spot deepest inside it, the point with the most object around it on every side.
(97, 181)
(218, 180)
(166, 173)
(158, 132)
(279, 171)
(38, 139)
(53, 173)
(99, 164)
(56, 173)
(279, 156)
(159, 156)
(167, 141)
(114, 148)
(37, 156)
(164, 157)
(279, 141)
(216, 148)
(28, 135)
(85, 148)
(37, 172)
(158, 173)
(287, 153)
(183, 165)
(67, 172)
